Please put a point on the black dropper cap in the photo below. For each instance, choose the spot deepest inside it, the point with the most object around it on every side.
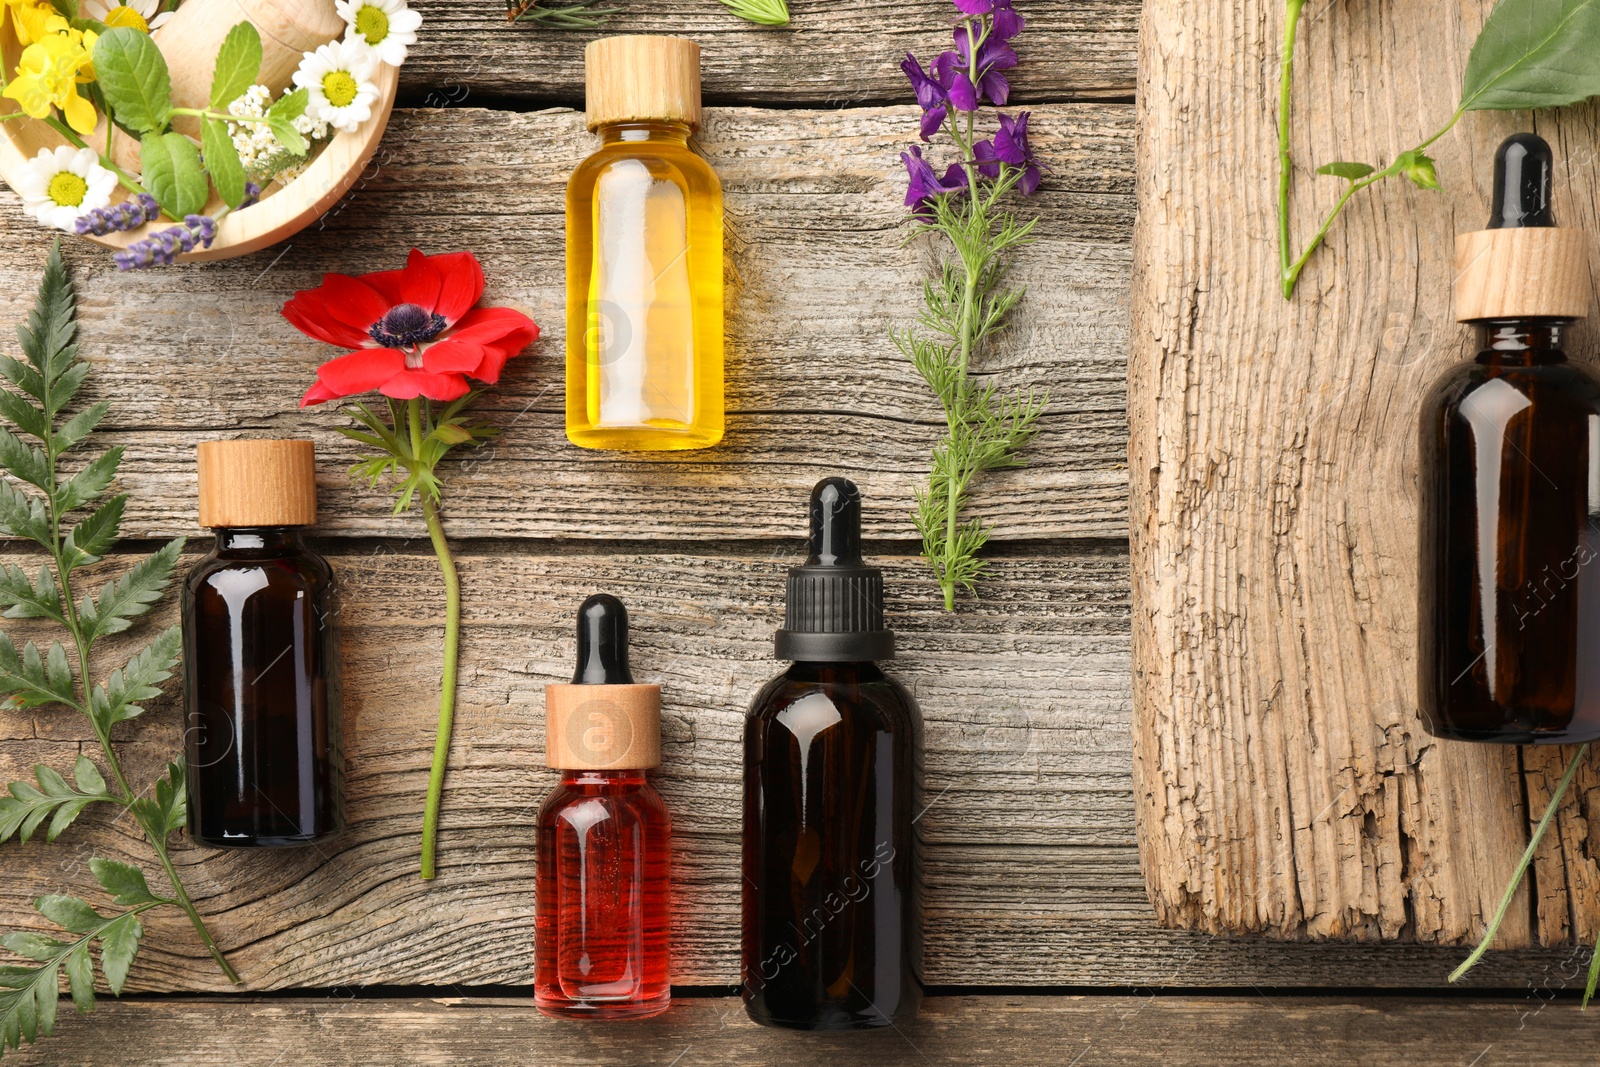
(835, 605)
(602, 642)
(1522, 178)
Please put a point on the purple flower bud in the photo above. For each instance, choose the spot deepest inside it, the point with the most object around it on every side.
(252, 191)
(974, 7)
(148, 203)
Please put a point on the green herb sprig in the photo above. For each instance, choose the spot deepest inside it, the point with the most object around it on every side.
(761, 12)
(1530, 54)
(582, 15)
(39, 503)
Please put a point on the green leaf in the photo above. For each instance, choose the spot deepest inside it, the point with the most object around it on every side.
(1352, 171)
(141, 679)
(238, 63)
(33, 946)
(1534, 54)
(222, 162)
(92, 538)
(133, 76)
(80, 426)
(70, 913)
(22, 376)
(168, 809)
(47, 338)
(80, 977)
(24, 461)
(290, 138)
(173, 174)
(290, 106)
(21, 414)
(25, 599)
(125, 883)
(761, 12)
(89, 483)
(26, 681)
(68, 8)
(87, 777)
(22, 515)
(131, 595)
(118, 944)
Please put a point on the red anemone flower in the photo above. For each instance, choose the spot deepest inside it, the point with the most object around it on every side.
(415, 332)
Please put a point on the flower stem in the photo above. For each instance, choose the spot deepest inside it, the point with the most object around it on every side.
(1292, 10)
(452, 645)
(1522, 868)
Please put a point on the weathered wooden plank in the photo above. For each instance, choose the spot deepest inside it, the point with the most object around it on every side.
(1102, 1031)
(817, 277)
(832, 55)
(1284, 782)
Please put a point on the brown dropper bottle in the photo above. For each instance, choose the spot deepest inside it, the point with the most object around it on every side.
(261, 655)
(1509, 606)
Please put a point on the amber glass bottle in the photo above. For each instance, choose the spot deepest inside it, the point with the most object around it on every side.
(644, 257)
(1509, 613)
(601, 935)
(261, 656)
(832, 917)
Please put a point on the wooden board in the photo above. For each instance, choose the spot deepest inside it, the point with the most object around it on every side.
(832, 55)
(817, 277)
(1283, 781)
(1254, 1030)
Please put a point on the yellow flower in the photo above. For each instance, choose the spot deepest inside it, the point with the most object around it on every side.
(49, 74)
(35, 19)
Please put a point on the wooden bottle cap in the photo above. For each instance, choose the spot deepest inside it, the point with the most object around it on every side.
(602, 727)
(257, 483)
(1522, 273)
(642, 78)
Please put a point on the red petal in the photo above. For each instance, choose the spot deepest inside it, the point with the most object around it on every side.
(461, 283)
(411, 384)
(453, 356)
(484, 325)
(352, 301)
(308, 313)
(421, 281)
(360, 372)
(318, 394)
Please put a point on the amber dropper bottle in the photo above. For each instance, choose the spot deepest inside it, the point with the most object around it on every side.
(832, 917)
(261, 655)
(601, 929)
(644, 256)
(1509, 612)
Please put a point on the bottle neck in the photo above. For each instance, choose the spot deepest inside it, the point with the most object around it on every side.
(602, 779)
(654, 132)
(257, 541)
(1522, 342)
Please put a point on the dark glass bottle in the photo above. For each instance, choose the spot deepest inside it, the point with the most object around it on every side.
(601, 928)
(1509, 611)
(261, 656)
(832, 916)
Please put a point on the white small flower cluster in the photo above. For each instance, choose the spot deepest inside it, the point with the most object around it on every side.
(338, 77)
(263, 157)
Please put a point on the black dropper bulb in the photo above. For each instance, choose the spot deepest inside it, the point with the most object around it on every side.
(602, 642)
(835, 523)
(1522, 177)
(834, 612)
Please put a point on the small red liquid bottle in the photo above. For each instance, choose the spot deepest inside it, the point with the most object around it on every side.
(601, 930)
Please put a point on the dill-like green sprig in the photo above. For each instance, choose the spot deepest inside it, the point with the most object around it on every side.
(761, 12)
(582, 15)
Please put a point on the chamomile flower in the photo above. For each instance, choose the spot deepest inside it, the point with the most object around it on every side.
(58, 185)
(338, 79)
(388, 27)
(145, 16)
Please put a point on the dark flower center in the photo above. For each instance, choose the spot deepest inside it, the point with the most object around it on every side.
(406, 326)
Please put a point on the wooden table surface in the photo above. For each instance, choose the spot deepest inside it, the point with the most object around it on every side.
(1042, 944)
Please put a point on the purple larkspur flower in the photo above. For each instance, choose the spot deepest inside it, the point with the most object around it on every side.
(984, 64)
(1005, 22)
(924, 184)
(947, 70)
(931, 96)
(1010, 146)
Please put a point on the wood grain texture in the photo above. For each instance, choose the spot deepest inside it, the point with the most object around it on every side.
(1244, 1031)
(817, 278)
(834, 55)
(1283, 781)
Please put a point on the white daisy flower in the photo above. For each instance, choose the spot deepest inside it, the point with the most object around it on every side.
(338, 79)
(141, 15)
(388, 27)
(58, 185)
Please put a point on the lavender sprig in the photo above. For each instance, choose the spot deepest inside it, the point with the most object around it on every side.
(130, 214)
(967, 304)
(163, 247)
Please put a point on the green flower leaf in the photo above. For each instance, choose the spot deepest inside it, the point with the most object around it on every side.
(28, 806)
(22, 515)
(80, 977)
(222, 161)
(131, 595)
(1534, 54)
(25, 598)
(70, 913)
(761, 12)
(27, 681)
(132, 74)
(291, 139)
(125, 883)
(1350, 171)
(81, 425)
(89, 483)
(238, 63)
(93, 537)
(173, 174)
(88, 777)
(24, 461)
(140, 680)
(118, 945)
(168, 810)
(27, 418)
